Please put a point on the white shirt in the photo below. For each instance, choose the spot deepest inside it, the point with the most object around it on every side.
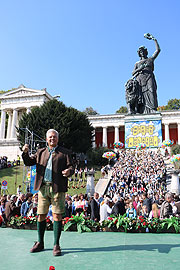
(105, 211)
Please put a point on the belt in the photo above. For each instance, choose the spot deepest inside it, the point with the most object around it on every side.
(47, 183)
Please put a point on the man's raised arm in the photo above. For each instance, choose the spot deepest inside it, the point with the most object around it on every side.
(28, 161)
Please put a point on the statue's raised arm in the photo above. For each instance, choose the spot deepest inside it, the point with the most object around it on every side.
(144, 80)
(151, 37)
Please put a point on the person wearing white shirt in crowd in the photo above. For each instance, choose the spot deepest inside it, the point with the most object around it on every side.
(19, 190)
(105, 209)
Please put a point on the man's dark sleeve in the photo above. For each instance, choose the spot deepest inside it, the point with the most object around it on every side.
(147, 202)
(115, 210)
(70, 165)
(122, 209)
(29, 160)
(149, 205)
(93, 212)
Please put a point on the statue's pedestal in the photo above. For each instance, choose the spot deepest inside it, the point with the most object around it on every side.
(143, 128)
(175, 187)
(90, 183)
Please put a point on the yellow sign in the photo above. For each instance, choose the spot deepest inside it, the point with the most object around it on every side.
(149, 141)
(146, 132)
(143, 129)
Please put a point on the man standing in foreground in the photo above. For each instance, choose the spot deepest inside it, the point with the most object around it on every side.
(53, 166)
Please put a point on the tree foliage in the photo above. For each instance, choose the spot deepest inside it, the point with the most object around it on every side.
(74, 129)
(4, 91)
(161, 108)
(173, 104)
(122, 109)
(175, 149)
(90, 111)
(95, 156)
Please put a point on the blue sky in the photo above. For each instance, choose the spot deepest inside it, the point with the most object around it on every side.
(85, 50)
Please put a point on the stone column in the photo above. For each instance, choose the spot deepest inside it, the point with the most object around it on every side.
(116, 134)
(104, 142)
(178, 133)
(94, 138)
(14, 124)
(9, 125)
(2, 126)
(166, 131)
(20, 113)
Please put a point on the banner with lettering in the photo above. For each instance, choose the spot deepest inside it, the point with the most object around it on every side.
(147, 132)
(32, 175)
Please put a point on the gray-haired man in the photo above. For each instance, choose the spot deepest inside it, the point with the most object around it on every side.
(53, 166)
(166, 207)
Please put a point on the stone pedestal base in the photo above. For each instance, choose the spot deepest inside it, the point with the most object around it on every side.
(90, 184)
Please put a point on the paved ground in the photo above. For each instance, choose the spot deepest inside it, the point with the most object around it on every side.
(91, 251)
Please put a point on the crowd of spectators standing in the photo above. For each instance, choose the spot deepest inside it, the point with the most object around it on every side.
(5, 163)
(96, 208)
(18, 205)
(79, 174)
(137, 188)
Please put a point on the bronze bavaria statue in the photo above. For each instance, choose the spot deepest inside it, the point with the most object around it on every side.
(141, 89)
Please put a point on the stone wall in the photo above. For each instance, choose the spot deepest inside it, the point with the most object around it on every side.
(10, 149)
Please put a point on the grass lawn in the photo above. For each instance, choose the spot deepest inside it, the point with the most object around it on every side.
(14, 177)
(78, 184)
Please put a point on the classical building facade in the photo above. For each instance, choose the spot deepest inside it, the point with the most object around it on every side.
(107, 128)
(13, 104)
(111, 128)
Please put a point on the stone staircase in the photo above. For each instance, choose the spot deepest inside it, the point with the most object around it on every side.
(103, 184)
(172, 178)
(170, 168)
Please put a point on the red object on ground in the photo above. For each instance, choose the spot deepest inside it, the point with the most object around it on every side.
(1, 220)
(51, 268)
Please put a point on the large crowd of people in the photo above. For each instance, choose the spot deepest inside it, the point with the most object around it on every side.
(137, 188)
(5, 163)
(139, 183)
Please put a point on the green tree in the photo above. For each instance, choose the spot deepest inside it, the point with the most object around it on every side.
(4, 91)
(95, 156)
(173, 104)
(122, 109)
(75, 131)
(161, 108)
(90, 111)
(175, 149)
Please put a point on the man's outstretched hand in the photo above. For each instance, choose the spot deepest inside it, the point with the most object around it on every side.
(66, 172)
(25, 148)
